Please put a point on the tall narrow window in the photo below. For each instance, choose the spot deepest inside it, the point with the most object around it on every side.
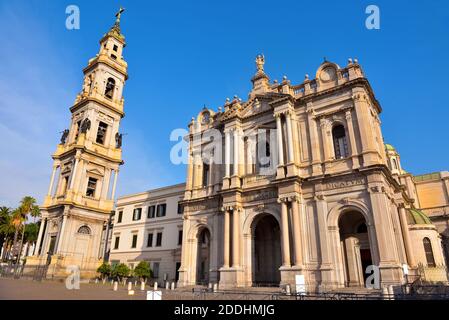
(91, 186)
(134, 242)
(110, 85)
(77, 130)
(206, 171)
(161, 210)
(340, 142)
(120, 217)
(155, 270)
(65, 184)
(159, 239)
(137, 214)
(150, 240)
(151, 211)
(116, 242)
(101, 132)
(180, 208)
(429, 252)
(179, 237)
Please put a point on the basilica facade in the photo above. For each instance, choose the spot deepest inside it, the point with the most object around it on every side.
(297, 180)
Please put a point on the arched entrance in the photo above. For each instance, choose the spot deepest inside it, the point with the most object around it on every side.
(203, 256)
(267, 251)
(355, 247)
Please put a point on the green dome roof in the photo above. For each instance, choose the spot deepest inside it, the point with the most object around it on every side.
(389, 147)
(416, 216)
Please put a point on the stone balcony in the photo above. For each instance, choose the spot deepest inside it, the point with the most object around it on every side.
(112, 153)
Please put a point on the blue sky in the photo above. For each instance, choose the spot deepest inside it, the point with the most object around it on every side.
(183, 55)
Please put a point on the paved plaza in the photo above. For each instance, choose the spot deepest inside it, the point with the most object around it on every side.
(18, 289)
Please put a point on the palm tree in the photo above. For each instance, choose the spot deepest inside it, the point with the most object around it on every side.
(6, 228)
(27, 207)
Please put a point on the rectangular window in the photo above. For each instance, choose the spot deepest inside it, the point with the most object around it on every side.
(120, 217)
(180, 208)
(137, 214)
(179, 237)
(101, 133)
(134, 243)
(205, 175)
(155, 269)
(66, 184)
(78, 126)
(151, 211)
(150, 240)
(91, 186)
(159, 239)
(116, 242)
(115, 48)
(161, 210)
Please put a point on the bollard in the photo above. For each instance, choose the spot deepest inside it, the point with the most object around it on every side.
(215, 287)
(96, 280)
(391, 292)
(155, 286)
(130, 286)
(288, 289)
(167, 285)
(142, 285)
(385, 293)
(135, 283)
(209, 286)
(115, 285)
(130, 292)
(173, 286)
(104, 280)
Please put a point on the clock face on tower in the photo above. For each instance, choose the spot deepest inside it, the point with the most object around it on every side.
(328, 74)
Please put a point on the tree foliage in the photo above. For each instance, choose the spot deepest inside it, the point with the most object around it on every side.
(143, 270)
(120, 271)
(104, 269)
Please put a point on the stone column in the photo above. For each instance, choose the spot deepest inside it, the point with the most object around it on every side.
(236, 152)
(227, 153)
(115, 184)
(297, 232)
(352, 141)
(366, 134)
(235, 238)
(406, 236)
(280, 143)
(189, 179)
(73, 175)
(226, 238)
(325, 139)
(291, 155)
(61, 234)
(106, 183)
(52, 179)
(285, 234)
(314, 141)
(39, 237)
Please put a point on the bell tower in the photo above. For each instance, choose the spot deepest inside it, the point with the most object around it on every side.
(81, 194)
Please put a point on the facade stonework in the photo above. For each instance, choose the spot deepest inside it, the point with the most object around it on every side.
(79, 201)
(319, 196)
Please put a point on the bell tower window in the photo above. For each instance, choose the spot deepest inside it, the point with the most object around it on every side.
(340, 142)
(101, 133)
(91, 186)
(429, 252)
(110, 85)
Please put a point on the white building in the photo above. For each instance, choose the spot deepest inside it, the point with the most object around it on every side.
(148, 227)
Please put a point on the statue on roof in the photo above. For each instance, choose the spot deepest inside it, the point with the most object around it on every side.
(260, 61)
